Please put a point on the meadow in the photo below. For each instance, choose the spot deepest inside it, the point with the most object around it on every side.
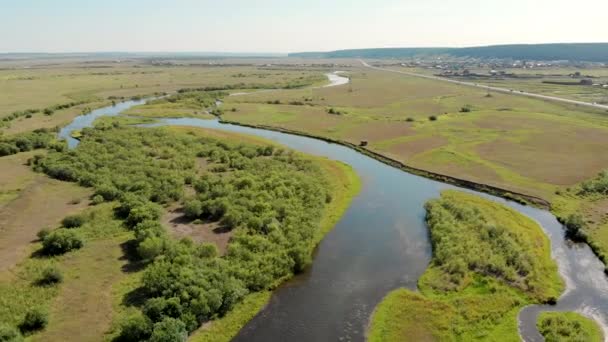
(119, 249)
(51, 94)
(488, 262)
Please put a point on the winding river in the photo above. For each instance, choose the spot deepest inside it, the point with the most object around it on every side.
(381, 243)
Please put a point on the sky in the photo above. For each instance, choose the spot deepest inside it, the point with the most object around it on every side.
(283, 26)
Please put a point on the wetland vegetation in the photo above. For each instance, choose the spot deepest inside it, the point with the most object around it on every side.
(488, 262)
(275, 204)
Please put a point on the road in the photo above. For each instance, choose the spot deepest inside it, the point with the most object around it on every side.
(495, 89)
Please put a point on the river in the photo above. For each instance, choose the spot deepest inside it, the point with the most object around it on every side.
(381, 243)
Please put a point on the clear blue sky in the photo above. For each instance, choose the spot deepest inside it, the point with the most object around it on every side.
(291, 25)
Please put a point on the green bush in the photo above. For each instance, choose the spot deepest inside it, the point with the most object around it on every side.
(169, 330)
(97, 199)
(433, 118)
(50, 276)
(9, 333)
(150, 248)
(42, 233)
(193, 209)
(34, 320)
(134, 328)
(73, 221)
(61, 241)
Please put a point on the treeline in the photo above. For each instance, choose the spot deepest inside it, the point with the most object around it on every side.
(300, 82)
(193, 99)
(592, 52)
(29, 112)
(40, 138)
(271, 199)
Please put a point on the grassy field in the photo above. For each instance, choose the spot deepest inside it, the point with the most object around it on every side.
(95, 84)
(28, 202)
(568, 327)
(82, 298)
(488, 262)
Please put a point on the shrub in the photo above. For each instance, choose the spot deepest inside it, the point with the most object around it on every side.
(9, 333)
(73, 221)
(574, 225)
(150, 248)
(34, 320)
(409, 119)
(169, 330)
(466, 109)
(61, 241)
(42, 233)
(193, 209)
(432, 118)
(135, 328)
(207, 250)
(144, 212)
(50, 275)
(97, 199)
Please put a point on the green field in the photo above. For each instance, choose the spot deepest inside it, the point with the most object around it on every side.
(92, 85)
(488, 262)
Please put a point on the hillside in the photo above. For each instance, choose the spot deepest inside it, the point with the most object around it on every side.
(593, 52)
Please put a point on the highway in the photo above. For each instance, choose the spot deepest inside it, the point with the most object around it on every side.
(490, 88)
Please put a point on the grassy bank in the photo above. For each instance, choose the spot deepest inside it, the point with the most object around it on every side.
(488, 262)
(568, 326)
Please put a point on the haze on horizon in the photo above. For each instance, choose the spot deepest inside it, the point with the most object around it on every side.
(290, 26)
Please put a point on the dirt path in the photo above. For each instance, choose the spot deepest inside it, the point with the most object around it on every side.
(43, 203)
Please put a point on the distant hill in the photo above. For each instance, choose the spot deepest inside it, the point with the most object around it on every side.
(592, 52)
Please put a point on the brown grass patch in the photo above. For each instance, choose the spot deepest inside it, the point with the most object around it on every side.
(379, 130)
(408, 149)
(211, 232)
(563, 157)
(41, 204)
